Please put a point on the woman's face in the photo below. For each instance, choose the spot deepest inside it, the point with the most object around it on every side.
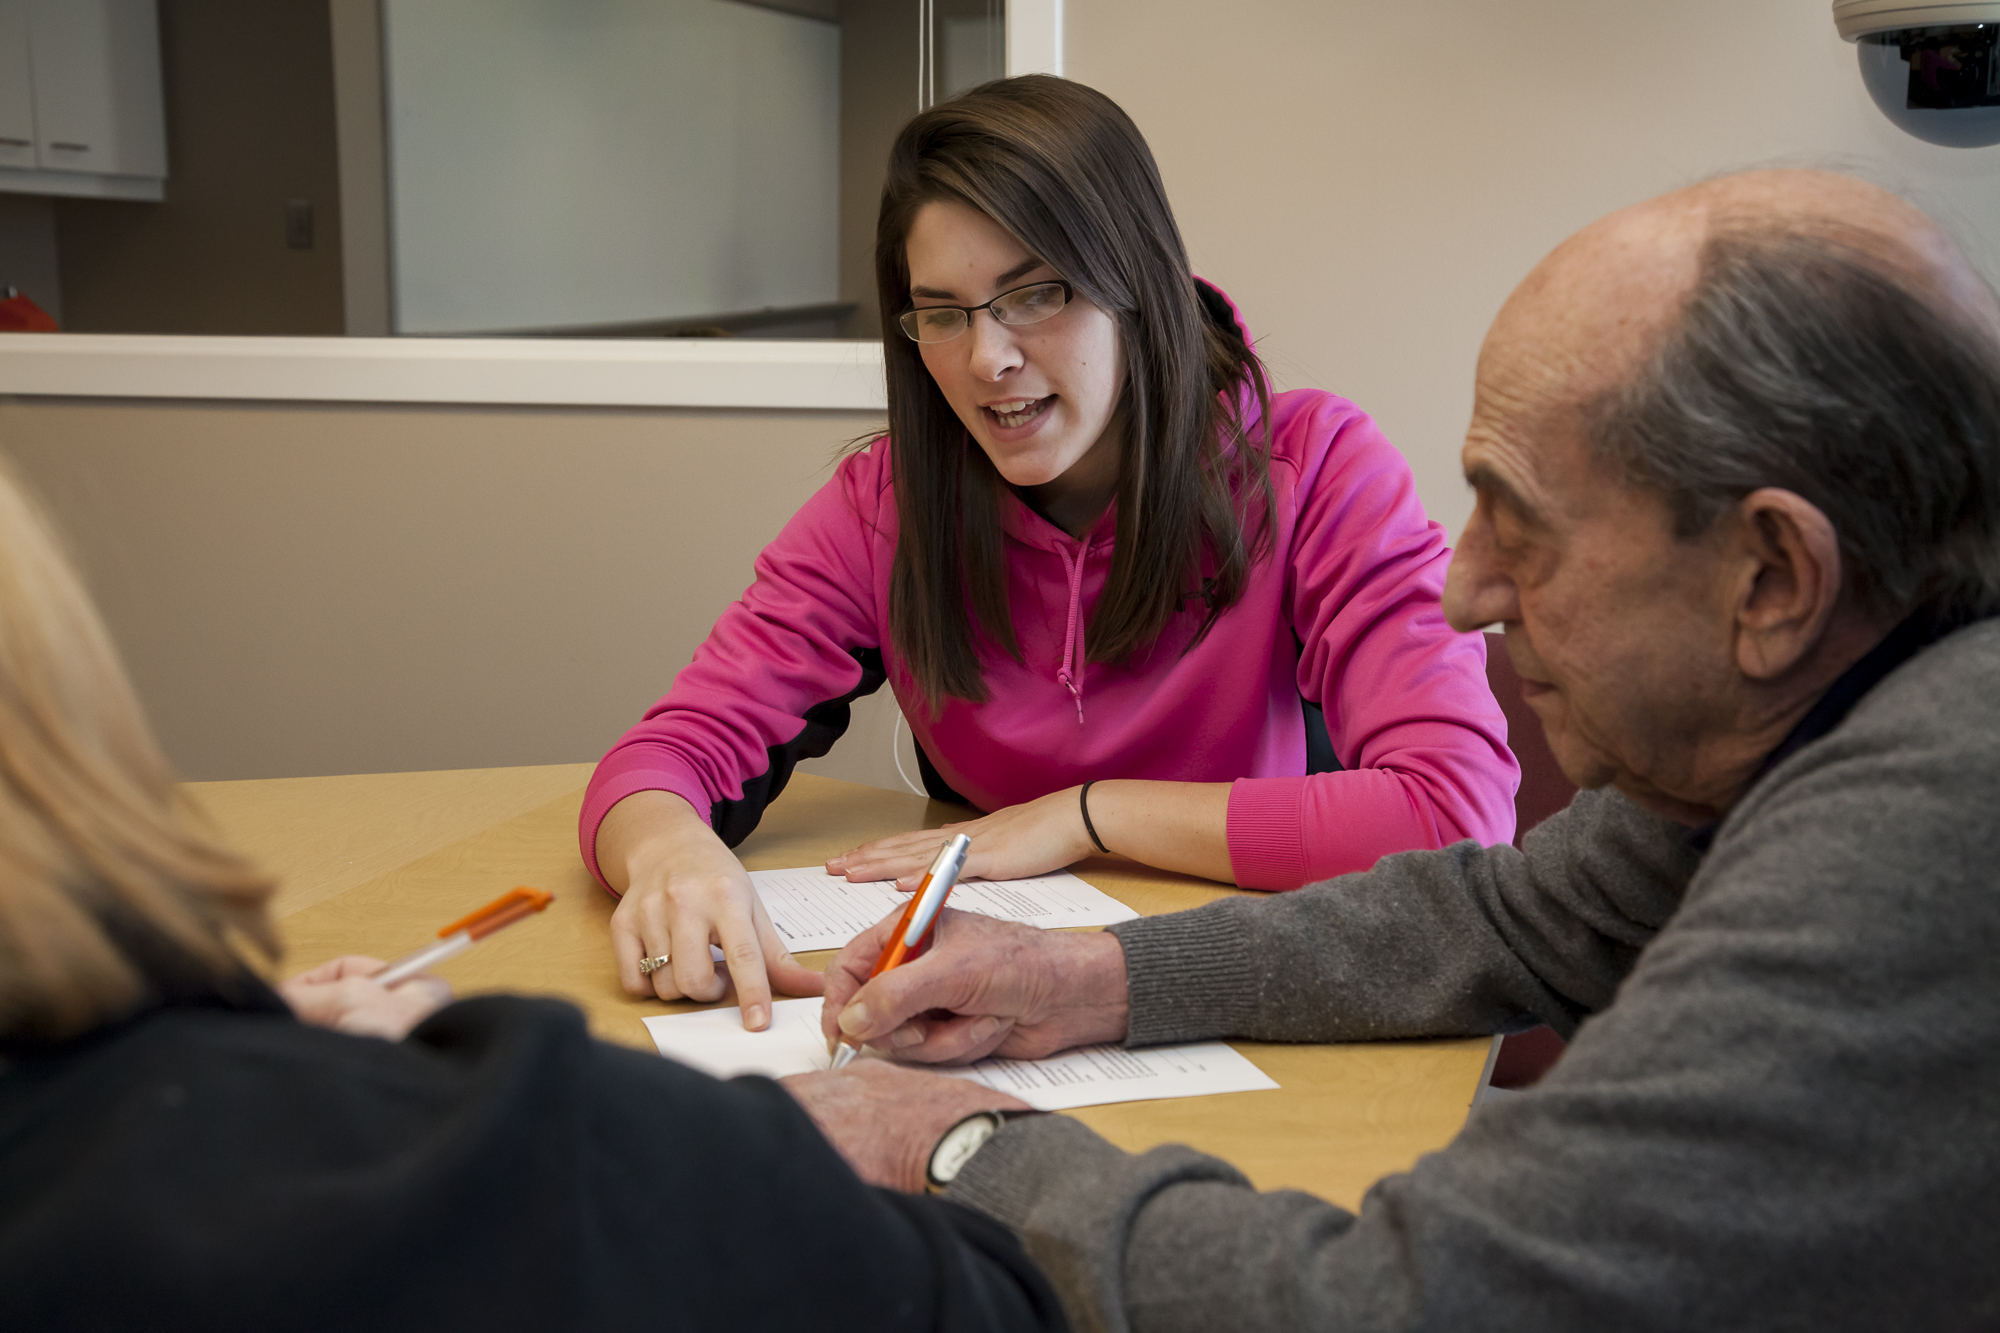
(1039, 398)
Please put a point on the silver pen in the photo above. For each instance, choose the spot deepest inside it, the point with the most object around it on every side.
(914, 931)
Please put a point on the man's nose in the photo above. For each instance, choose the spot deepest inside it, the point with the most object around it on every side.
(994, 349)
(1476, 592)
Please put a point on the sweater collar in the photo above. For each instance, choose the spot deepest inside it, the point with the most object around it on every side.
(1024, 525)
(1916, 633)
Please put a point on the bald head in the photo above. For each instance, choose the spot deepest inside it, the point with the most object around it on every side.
(1587, 316)
(1863, 217)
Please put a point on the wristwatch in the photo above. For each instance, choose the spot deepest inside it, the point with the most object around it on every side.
(962, 1140)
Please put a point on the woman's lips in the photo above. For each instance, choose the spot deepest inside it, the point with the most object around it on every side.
(1018, 412)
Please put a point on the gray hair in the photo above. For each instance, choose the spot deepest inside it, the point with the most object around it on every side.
(1801, 362)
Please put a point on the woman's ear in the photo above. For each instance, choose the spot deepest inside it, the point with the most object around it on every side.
(1792, 558)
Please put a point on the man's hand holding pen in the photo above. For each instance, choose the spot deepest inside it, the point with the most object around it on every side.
(884, 1119)
(985, 988)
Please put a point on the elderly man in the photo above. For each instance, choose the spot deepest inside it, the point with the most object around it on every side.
(1737, 459)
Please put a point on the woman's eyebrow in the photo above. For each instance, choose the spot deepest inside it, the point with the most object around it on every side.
(1020, 270)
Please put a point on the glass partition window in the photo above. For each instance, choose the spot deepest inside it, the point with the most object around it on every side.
(610, 167)
(590, 168)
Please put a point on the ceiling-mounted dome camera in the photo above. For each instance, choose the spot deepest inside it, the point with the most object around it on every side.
(1934, 69)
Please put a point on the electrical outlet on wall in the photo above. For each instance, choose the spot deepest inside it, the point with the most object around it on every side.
(299, 224)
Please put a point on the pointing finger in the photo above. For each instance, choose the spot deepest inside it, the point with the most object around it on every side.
(746, 968)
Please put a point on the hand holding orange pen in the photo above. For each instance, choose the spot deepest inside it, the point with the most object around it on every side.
(467, 931)
(918, 925)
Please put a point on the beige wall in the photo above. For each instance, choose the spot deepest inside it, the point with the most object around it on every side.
(1370, 178)
(332, 589)
(317, 589)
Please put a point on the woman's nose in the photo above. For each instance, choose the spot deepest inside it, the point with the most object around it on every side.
(994, 349)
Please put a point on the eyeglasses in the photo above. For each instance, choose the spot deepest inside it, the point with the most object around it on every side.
(1024, 305)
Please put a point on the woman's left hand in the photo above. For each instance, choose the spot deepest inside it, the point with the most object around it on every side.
(343, 995)
(1014, 843)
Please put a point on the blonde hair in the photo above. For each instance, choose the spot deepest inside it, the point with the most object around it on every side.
(110, 883)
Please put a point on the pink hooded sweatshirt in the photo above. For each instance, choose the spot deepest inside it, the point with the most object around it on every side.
(1349, 718)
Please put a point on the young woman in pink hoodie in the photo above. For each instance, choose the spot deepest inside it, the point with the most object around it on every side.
(1129, 599)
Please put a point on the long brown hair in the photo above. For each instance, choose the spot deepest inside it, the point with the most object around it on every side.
(1068, 174)
(109, 881)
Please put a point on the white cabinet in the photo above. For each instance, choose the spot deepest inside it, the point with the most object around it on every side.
(17, 89)
(80, 82)
(97, 86)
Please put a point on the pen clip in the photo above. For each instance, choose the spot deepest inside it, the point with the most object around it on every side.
(931, 897)
(505, 910)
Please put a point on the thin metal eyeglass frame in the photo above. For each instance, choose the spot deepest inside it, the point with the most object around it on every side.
(1069, 294)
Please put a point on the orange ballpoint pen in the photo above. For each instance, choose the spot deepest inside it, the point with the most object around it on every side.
(467, 931)
(918, 925)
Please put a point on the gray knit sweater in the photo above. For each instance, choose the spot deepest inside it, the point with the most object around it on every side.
(1781, 1109)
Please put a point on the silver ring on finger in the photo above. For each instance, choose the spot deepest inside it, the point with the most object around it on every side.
(653, 964)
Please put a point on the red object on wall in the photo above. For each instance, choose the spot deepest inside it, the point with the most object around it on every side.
(1526, 1056)
(18, 314)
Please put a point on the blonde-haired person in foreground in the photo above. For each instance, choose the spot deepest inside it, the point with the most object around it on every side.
(179, 1149)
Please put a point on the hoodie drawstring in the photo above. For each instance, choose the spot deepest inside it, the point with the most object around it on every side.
(1073, 637)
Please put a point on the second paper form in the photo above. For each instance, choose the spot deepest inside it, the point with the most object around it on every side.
(814, 910)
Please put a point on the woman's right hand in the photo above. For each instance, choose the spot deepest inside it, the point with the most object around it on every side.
(680, 891)
(343, 995)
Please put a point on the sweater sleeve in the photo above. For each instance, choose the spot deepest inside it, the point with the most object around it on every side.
(1462, 941)
(1421, 741)
(807, 1241)
(773, 682)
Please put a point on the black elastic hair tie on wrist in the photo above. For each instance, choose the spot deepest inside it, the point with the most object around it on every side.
(1083, 801)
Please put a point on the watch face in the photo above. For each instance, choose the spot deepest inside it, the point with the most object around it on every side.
(955, 1149)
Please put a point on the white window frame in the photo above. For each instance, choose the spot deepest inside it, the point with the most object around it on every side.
(821, 374)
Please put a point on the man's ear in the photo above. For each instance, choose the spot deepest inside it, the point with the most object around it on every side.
(1792, 581)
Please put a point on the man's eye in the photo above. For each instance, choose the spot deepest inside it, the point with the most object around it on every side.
(1510, 531)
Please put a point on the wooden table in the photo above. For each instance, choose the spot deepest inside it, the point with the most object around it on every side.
(375, 864)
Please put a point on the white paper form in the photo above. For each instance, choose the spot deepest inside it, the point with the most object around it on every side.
(814, 910)
(714, 1041)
